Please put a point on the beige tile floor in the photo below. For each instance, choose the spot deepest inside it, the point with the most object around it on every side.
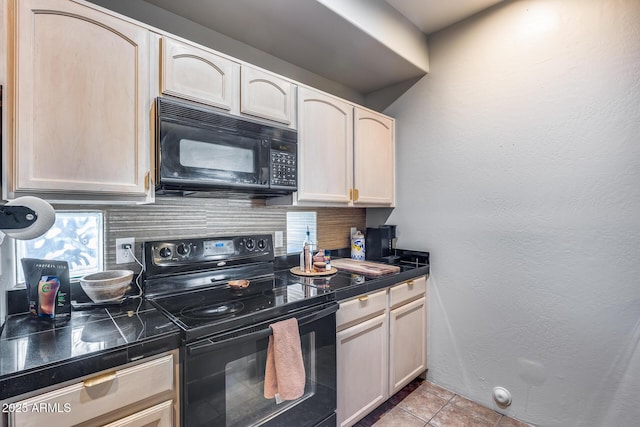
(422, 403)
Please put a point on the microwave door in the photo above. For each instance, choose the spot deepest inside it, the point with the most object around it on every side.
(200, 157)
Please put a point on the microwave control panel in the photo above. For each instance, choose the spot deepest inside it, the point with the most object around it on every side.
(283, 169)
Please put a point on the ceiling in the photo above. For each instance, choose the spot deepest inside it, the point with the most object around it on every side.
(321, 36)
(433, 15)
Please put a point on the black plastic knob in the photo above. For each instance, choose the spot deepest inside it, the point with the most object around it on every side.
(262, 244)
(165, 252)
(250, 244)
(182, 249)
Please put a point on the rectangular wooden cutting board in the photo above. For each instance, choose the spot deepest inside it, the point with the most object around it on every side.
(367, 268)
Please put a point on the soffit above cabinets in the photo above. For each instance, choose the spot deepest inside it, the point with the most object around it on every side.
(313, 35)
(365, 45)
(434, 15)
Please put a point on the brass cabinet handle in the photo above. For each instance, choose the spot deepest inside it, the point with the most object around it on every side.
(356, 195)
(410, 283)
(147, 179)
(100, 379)
(350, 194)
(363, 298)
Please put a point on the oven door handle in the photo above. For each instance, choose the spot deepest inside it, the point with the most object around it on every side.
(204, 346)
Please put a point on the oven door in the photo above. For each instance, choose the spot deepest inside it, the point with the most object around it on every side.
(223, 380)
(197, 156)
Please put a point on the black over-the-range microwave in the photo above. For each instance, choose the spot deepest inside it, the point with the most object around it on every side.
(200, 149)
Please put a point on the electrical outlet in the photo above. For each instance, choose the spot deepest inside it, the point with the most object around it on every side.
(123, 256)
(279, 240)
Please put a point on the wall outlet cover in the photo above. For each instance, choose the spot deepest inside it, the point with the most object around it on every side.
(123, 256)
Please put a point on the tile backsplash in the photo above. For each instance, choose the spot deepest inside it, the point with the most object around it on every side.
(183, 217)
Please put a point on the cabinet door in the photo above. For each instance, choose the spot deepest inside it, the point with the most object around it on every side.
(267, 96)
(160, 415)
(325, 141)
(198, 75)
(374, 159)
(81, 104)
(362, 366)
(407, 343)
(97, 396)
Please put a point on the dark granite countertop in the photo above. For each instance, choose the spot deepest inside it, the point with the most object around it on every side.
(36, 353)
(347, 285)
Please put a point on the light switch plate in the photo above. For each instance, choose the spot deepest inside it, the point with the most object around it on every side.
(279, 240)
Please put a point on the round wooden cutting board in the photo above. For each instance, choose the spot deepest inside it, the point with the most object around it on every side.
(298, 272)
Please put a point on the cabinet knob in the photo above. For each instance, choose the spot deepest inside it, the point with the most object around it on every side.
(410, 283)
(363, 298)
(100, 379)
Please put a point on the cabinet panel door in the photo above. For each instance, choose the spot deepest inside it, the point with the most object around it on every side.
(267, 96)
(160, 415)
(325, 140)
(99, 395)
(82, 101)
(374, 159)
(407, 343)
(363, 368)
(198, 75)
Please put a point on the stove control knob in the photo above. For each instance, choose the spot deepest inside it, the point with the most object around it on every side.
(262, 245)
(183, 249)
(250, 244)
(165, 252)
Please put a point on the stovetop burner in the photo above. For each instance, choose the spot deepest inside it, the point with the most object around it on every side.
(211, 311)
(188, 281)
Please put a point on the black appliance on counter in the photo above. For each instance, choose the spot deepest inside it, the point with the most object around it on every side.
(225, 331)
(379, 242)
(200, 149)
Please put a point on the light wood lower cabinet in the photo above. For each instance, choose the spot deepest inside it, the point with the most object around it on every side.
(362, 379)
(157, 416)
(381, 347)
(407, 343)
(140, 394)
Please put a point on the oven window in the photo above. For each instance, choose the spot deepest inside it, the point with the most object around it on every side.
(245, 401)
(197, 154)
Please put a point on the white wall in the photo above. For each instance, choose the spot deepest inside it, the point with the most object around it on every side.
(519, 169)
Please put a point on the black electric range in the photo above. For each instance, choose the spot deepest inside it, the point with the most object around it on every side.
(188, 280)
(226, 332)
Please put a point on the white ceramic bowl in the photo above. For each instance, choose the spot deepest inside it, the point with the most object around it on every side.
(106, 286)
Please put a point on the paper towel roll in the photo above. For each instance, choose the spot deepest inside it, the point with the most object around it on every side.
(46, 217)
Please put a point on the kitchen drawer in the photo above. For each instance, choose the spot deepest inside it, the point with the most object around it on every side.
(361, 308)
(98, 395)
(407, 291)
(160, 415)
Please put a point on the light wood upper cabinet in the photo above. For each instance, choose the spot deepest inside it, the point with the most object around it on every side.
(374, 159)
(267, 96)
(198, 75)
(325, 156)
(80, 99)
(346, 154)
